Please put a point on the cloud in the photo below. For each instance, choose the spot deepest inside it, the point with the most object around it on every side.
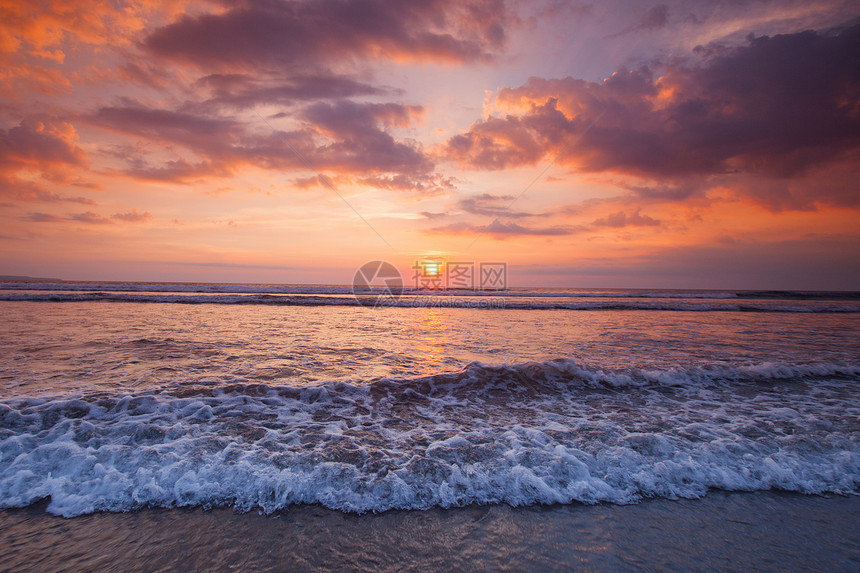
(500, 143)
(41, 143)
(40, 149)
(90, 218)
(242, 91)
(811, 263)
(425, 184)
(493, 206)
(35, 37)
(43, 218)
(359, 140)
(290, 35)
(343, 137)
(672, 192)
(44, 29)
(501, 229)
(133, 216)
(624, 219)
(175, 171)
(431, 215)
(654, 18)
(778, 107)
(27, 191)
(189, 129)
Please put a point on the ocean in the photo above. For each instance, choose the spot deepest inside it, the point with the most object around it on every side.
(201, 399)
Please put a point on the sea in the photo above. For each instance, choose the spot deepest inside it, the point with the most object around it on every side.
(178, 403)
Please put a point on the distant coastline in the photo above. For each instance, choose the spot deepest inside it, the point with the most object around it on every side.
(26, 278)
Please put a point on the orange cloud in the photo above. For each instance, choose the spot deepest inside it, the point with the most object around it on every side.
(39, 150)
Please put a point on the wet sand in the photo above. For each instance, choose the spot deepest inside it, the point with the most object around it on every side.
(763, 531)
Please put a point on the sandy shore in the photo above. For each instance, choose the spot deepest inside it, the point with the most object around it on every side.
(748, 531)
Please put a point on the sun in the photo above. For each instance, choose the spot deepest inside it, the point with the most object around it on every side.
(432, 269)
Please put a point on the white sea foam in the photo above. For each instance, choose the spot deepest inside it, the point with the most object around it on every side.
(548, 432)
(518, 301)
(334, 289)
(227, 288)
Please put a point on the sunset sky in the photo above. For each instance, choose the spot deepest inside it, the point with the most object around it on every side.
(689, 144)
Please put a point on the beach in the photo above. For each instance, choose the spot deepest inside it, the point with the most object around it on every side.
(723, 531)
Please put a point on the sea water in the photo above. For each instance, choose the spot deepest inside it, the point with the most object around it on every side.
(115, 397)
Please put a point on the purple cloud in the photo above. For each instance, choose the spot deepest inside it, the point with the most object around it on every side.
(341, 136)
(291, 35)
(778, 107)
(243, 91)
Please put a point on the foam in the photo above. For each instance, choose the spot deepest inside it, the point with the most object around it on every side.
(542, 432)
(227, 288)
(517, 301)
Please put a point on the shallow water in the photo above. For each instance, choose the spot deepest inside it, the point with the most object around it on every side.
(116, 405)
(51, 348)
(761, 531)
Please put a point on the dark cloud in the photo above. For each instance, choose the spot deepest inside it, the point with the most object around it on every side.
(340, 136)
(244, 91)
(188, 129)
(359, 141)
(777, 108)
(499, 143)
(42, 218)
(656, 17)
(294, 34)
(667, 192)
(176, 171)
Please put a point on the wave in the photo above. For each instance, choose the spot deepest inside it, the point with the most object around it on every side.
(431, 301)
(177, 288)
(217, 288)
(542, 432)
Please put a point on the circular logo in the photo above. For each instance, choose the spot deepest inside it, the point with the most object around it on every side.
(377, 283)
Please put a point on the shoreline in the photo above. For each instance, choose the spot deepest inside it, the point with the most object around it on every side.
(757, 531)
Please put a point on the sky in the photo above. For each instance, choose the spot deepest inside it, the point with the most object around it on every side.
(688, 144)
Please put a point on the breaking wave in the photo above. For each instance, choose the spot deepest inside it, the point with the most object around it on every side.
(517, 301)
(541, 432)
